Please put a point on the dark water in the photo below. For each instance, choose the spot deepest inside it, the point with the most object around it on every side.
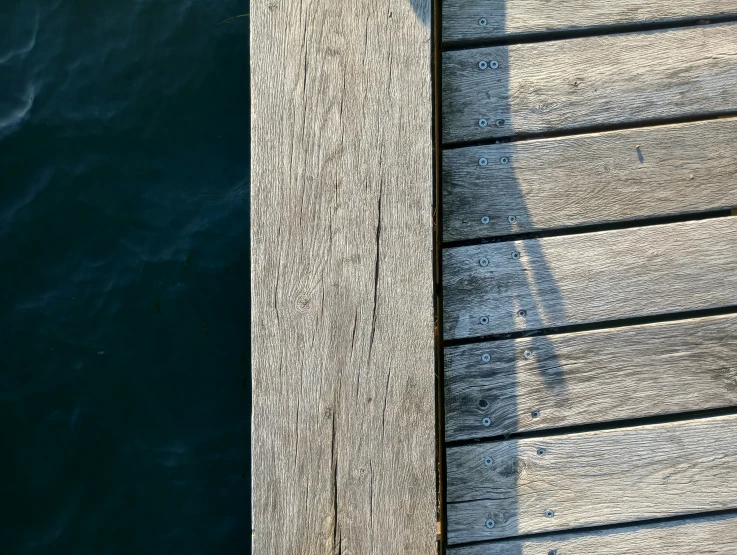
(124, 277)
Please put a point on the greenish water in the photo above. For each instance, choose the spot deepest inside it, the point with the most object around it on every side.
(124, 280)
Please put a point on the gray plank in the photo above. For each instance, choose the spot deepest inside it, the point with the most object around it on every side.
(591, 479)
(577, 83)
(594, 376)
(589, 179)
(715, 535)
(343, 423)
(509, 18)
(589, 277)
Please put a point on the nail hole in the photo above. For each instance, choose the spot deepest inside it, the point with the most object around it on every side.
(521, 313)
(500, 123)
(483, 403)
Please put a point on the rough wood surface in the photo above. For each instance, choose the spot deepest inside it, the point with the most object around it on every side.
(574, 279)
(604, 80)
(714, 535)
(508, 18)
(343, 425)
(594, 376)
(590, 479)
(589, 179)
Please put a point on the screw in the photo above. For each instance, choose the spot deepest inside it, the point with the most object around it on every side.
(504, 160)
(490, 524)
(500, 123)
(494, 64)
(512, 219)
(515, 255)
(488, 461)
(521, 313)
(486, 357)
(528, 355)
(483, 320)
(486, 422)
(485, 220)
(482, 64)
(482, 21)
(553, 552)
(542, 451)
(483, 122)
(483, 161)
(550, 513)
(484, 261)
(535, 414)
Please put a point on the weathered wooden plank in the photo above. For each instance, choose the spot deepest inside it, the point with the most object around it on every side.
(570, 84)
(588, 479)
(343, 423)
(462, 20)
(594, 376)
(574, 279)
(715, 535)
(589, 179)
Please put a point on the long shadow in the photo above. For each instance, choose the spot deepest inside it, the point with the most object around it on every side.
(537, 290)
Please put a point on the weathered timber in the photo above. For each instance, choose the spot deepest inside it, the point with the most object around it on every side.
(343, 426)
(715, 535)
(575, 279)
(589, 179)
(585, 82)
(589, 479)
(593, 376)
(509, 18)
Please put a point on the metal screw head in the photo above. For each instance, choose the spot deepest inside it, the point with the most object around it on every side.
(486, 357)
(485, 220)
(535, 414)
(483, 162)
(515, 255)
(483, 64)
(512, 219)
(550, 513)
(500, 123)
(493, 64)
(483, 320)
(483, 122)
(484, 261)
(541, 451)
(521, 313)
(488, 461)
(490, 524)
(528, 355)
(486, 422)
(553, 552)
(482, 21)
(504, 160)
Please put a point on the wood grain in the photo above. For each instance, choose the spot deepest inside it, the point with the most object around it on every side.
(715, 535)
(578, 83)
(590, 479)
(509, 18)
(589, 179)
(590, 277)
(343, 426)
(593, 376)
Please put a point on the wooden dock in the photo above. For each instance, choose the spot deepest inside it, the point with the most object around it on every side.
(589, 276)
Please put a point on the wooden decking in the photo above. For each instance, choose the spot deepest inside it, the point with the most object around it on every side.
(589, 276)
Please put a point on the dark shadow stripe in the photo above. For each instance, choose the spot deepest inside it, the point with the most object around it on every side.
(584, 32)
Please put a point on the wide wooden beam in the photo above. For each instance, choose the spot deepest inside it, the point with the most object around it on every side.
(343, 422)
